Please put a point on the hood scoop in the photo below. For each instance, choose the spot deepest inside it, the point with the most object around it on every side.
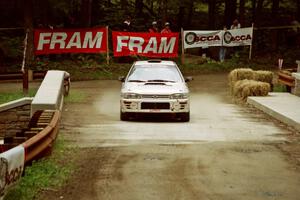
(154, 83)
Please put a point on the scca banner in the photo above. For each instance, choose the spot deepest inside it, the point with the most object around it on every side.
(57, 41)
(194, 39)
(145, 44)
(238, 37)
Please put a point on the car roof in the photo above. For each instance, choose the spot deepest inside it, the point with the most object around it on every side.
(155, 62)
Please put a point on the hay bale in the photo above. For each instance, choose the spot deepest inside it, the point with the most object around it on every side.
(244, 88)
(239, 74)
(263, 76)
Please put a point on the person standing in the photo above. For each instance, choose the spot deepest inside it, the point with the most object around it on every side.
(236, 24)
(167, 28)
(127, 24)
(154, 28)
(222, 51)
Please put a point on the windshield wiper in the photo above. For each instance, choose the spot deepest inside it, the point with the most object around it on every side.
(160, 80)
(139, 81)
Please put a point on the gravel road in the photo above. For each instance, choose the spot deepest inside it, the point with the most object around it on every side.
(226, 151)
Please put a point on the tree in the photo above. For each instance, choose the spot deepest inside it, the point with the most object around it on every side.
(212, 14)
(242, 12)
(230, 11)
(86, 13)
(28, 25)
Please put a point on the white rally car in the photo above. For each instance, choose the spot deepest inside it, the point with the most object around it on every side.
(155, 86)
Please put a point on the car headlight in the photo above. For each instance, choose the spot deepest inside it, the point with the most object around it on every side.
(179, 96)
(130, 96)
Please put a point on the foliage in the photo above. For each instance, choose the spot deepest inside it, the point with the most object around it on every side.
(75, 96)
(46, 174)
(10, 96)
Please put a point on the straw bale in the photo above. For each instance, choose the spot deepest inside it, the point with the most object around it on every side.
(244, 88)
(263, 76)
(239, 74)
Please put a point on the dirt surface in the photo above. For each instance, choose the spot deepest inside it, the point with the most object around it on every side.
(225, 152)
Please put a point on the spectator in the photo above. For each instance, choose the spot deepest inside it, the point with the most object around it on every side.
(235, 24)
(127, 24)
(222, 52)
(154, 28)
(167, 28)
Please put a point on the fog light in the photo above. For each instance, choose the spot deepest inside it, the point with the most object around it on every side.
(176, 106)
(134, 105)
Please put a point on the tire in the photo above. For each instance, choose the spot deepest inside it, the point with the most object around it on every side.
(185, 117)
(123, 116)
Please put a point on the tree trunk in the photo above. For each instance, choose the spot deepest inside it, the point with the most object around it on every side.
(190, 13)
(86, 13)
(230, 11)
(298, 10)
(275, 8)
(242, 12)
(211, 14)
(258, 15)
(164, 11)
(139, 8)
(253, 10)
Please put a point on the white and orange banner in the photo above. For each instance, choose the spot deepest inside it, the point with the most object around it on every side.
(229, 38)
(193, 39)
(57, 41)
(145, 44)
(238, 37)
(11, 167)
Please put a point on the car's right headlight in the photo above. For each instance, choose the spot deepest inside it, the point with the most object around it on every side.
(130, 96)
(179, 96)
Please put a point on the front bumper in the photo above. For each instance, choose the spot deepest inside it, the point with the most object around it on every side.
(155, 106)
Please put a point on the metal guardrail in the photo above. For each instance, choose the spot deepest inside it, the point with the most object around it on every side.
(42, 142)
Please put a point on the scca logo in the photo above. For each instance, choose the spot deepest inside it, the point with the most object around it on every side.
(228, 38)
(191, 38)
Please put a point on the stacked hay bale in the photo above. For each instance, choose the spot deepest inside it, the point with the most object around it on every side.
(245, 82)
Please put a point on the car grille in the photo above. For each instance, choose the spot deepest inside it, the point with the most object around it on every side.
(153, 96)
(150, 105)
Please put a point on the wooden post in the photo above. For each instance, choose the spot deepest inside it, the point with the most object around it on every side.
(182, 46)
(250, 49)
(107, 53)
(24, 69)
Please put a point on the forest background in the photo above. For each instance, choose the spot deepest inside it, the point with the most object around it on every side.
(273, 36)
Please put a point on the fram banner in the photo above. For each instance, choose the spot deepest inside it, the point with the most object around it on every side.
(238, 37)
(194, 39)
(11, 167)
(234, 37)
(145, 44)
(57, 41)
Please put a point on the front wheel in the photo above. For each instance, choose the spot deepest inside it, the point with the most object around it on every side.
(123, 116)
(185, 117)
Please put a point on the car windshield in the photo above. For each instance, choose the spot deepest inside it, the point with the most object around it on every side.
(161, 73)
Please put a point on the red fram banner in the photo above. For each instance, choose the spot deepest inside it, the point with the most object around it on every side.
(57, 41)
(145, 44)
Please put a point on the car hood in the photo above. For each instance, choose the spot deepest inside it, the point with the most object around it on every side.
(155, 88)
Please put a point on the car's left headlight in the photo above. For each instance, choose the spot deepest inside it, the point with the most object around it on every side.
(130, 96)
(179, 96)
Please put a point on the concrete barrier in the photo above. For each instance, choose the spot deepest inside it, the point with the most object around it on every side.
(50, 94)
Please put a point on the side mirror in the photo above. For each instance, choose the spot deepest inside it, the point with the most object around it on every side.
(188, 79)
(122, 78)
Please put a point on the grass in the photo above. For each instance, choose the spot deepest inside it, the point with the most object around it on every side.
(279, 88)
(75, 96)
(10, 96)
(48, 173)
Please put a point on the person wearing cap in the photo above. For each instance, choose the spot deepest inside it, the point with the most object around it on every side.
(127, 24)
(167, 28)
(154, 28)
